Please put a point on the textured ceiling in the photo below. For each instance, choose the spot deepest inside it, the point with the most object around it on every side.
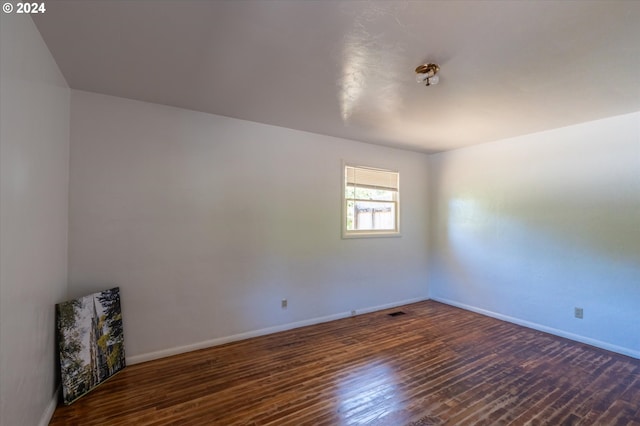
(345, 68)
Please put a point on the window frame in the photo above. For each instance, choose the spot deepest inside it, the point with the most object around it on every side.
(368, 233)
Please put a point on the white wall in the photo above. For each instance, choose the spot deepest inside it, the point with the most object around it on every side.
(207, 222)
(528, 228)
(34, 155)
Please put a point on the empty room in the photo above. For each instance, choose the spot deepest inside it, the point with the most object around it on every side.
(320, 212)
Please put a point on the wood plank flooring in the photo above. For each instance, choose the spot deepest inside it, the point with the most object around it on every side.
(435, 365)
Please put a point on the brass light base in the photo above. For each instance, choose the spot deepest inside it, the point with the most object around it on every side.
(429, 69)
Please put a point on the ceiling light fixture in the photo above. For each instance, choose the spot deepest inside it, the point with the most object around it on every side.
(427, 73)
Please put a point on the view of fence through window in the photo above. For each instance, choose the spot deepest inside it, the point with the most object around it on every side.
(371, 200)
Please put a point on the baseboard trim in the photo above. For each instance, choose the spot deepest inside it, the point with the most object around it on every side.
(50, 409)
(150, 356)
(557, 332)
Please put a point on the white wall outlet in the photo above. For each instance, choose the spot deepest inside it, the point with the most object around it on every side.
(353, 313)
(578, 313)
(284, 304)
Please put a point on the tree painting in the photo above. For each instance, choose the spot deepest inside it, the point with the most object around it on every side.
(90, 342)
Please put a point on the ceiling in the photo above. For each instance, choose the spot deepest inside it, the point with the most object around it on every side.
(346, 68)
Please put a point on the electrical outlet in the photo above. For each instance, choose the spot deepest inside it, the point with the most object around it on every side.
(353, 313)
(284, 304)
(578, 313)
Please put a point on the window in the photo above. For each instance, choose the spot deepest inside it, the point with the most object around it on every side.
(370, 202)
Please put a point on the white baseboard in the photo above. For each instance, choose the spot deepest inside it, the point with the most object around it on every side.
(51, 408)
(561, 333)
(136, 359)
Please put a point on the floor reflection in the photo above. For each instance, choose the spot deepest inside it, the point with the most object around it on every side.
(368, 393)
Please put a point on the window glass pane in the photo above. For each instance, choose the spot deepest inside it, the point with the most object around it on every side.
(372, 215)
(374, 194)
(351, 215)
(370, 200)
(369, 194)
(350, 192)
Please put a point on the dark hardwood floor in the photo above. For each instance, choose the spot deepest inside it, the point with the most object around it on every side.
(434, 365)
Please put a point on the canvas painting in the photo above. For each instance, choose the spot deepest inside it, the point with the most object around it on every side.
(90, 342)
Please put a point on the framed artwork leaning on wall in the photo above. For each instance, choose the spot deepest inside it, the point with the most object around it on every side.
(90, 342)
